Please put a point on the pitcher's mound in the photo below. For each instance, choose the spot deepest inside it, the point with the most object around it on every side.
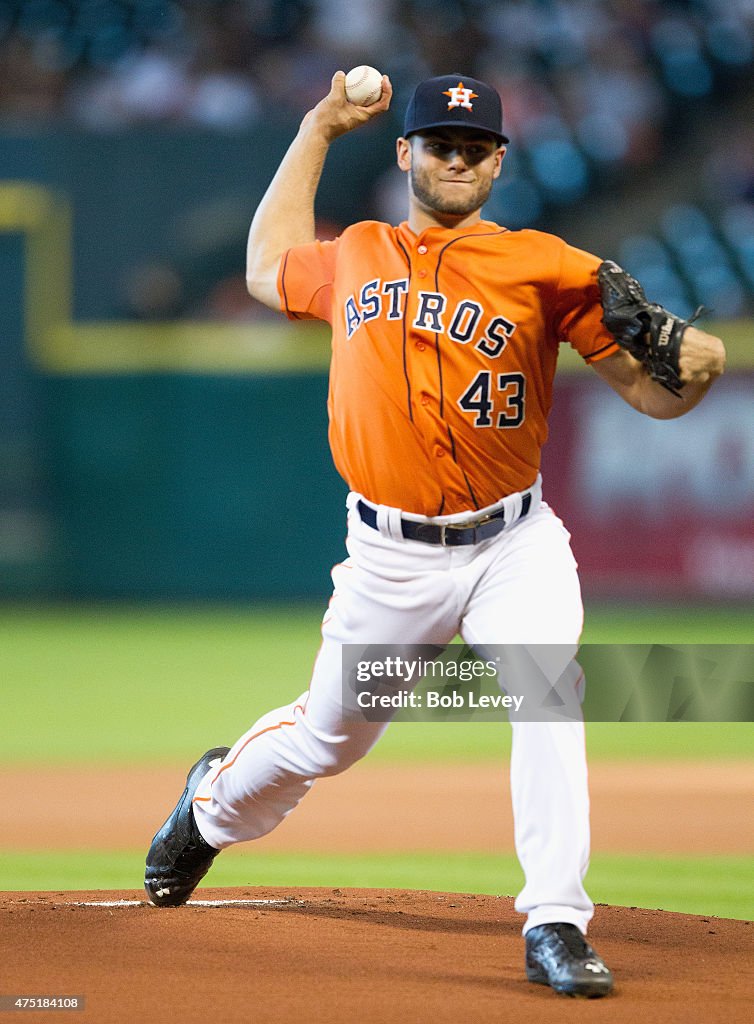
(355, 955)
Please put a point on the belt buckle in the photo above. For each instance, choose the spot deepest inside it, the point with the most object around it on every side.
(476, 526)
(451, 529)
(459, 528)
(444, 534)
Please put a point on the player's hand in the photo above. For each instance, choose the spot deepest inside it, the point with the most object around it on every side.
(702, 356)
(335, 115)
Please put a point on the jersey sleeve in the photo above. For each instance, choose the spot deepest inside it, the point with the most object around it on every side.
(305, 281)
(578, 308)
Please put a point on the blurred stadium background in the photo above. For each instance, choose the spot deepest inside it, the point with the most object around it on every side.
(162, 436)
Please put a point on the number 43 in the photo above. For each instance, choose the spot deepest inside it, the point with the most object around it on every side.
(511, 387)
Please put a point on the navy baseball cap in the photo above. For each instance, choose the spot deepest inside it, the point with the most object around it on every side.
(452, 100)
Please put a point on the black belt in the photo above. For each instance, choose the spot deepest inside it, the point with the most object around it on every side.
(448, 534)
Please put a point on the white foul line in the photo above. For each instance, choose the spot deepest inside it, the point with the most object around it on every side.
(191, 903)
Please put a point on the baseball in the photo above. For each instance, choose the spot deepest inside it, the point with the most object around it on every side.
(363, 85)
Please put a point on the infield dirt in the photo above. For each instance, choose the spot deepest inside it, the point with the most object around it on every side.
(661, 807)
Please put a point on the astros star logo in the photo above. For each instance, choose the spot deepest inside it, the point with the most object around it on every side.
(460, 96)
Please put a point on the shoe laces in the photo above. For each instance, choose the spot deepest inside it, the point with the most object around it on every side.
(573, 940)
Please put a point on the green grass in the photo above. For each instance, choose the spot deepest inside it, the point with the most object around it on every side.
(668, 624)
(720, 886)
(121, 684)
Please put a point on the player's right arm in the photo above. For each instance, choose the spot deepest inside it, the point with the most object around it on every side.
(285, 216)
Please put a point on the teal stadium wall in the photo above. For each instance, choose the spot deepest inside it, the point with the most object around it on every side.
(194, 487)
(124, 483)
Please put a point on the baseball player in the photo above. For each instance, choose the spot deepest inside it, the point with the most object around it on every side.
(445, 335)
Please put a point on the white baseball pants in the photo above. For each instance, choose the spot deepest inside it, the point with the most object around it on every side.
(520, 587)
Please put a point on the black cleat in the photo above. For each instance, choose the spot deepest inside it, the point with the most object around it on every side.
(179, 856)
(558, 955)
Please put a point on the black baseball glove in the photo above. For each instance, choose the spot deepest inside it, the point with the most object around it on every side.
(649, 332)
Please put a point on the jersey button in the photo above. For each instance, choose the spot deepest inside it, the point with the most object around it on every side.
(422, 250)
(439, 452)
(420, 346)
(424, 399)
(422, 273)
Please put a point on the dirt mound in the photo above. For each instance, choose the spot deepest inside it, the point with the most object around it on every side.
(323, 955)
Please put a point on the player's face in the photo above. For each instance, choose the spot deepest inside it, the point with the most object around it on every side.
(451, 170)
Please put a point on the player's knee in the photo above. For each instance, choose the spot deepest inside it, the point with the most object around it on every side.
(334, 757)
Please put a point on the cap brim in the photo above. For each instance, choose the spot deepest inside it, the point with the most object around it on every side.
(450, 123)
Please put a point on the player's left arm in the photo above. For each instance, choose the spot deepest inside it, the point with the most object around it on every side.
(665, 366)
(701, 360)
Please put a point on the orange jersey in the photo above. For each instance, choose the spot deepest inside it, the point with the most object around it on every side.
(444, 347)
